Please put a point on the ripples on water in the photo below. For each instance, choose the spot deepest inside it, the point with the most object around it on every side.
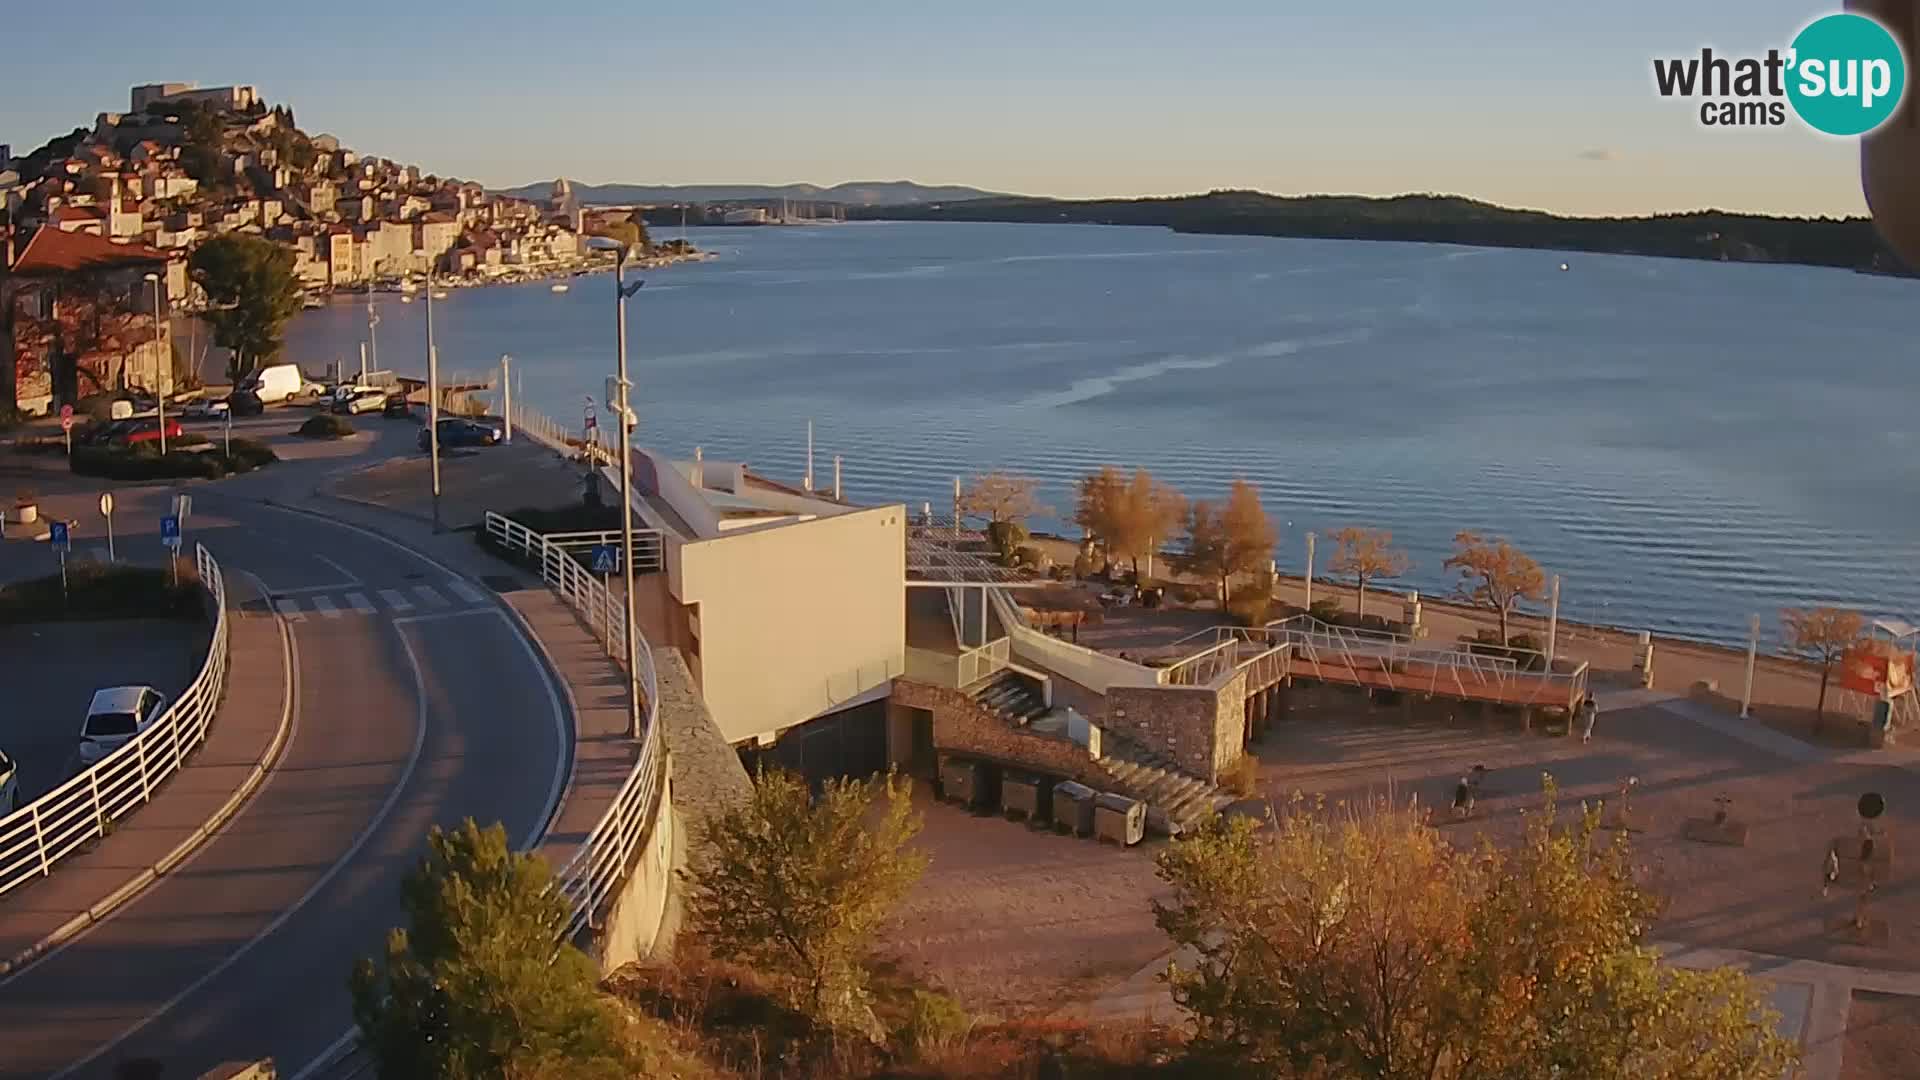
(1685, 443)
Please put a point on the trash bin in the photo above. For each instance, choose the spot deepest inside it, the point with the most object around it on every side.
(1027, 797)
(1119, 819)
(1073, 807)
(968, 782)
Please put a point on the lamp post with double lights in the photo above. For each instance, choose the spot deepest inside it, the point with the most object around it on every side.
(163, 367)
(621, 386)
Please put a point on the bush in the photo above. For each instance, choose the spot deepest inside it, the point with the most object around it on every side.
(935, 1024)
(96, 591)
(41, 444)
(1006, 537)
(1242, 777)
(1083, 565)
(245, 455)
(325, 426)
(1190, 594)
(1030, 555)
(141, 463)
(188, 440)
(1327, 610)
(1250, 607)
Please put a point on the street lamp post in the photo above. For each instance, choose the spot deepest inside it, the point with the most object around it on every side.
(433, 402)
(163, 365)
(622, 386)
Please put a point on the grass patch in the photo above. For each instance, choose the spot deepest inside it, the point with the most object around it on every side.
(95, 591)
(325, 426)
(145, 462)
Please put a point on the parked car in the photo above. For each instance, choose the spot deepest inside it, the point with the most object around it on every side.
(9, 785)
(397, 405)
(99, 434)
(277, 382)
(135, 432)
(362, 399)
(246, 403)
(117, 714)
(206, 409)
(458, 431)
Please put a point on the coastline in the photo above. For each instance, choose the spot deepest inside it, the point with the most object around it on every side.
(522, 275)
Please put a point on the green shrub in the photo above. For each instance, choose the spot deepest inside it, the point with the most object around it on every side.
(188, 440)
(249, 454)
(101, 591)
(1327, 610)
(1242, 777)
(1006, 537)
(1250, 606)
(325, 426)
(1083, 565)
(1033, 557)
(141, 463)
(935, 1024)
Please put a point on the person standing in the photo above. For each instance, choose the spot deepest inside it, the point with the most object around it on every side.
(1589, 712)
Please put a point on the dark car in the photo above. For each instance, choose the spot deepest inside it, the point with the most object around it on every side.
(397, 405)
(100, 433)
(245, 403)
(457, 431)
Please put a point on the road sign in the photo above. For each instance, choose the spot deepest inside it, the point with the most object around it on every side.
(606, 558)
(106, 503)
(59, 535)
(170, 531)
(182, 506)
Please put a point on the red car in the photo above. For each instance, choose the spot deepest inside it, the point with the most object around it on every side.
(136, 432)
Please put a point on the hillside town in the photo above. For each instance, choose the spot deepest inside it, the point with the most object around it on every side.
(124, 203)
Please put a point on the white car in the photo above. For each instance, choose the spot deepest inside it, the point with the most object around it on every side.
(117, 714)
(9, 786)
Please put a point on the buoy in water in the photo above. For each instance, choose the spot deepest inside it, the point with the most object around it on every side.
(1563, 268)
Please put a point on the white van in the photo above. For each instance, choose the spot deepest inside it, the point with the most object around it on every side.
(276, 383)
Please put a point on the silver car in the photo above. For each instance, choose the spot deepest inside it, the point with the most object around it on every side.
(9, 785)
(116, 715)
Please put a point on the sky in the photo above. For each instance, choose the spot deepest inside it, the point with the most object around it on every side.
(1547, 105)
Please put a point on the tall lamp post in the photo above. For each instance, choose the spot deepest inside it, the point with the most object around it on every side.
(163, 366)
(621, 291)
(433, 401)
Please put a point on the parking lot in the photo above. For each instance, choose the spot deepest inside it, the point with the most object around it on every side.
(54, 668)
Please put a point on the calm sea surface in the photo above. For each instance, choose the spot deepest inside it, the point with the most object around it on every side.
(1685, 443)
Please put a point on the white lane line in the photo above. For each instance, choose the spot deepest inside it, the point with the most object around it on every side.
(428, 597)
(379, 818)
(324, 605)
(359, 603)
(396, 601)
(344, 572)
(465, 592)
(304, 590)
(289, 609)
(439, 615)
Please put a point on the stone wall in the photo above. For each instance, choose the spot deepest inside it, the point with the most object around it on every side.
(961, 726)
(1200, 729)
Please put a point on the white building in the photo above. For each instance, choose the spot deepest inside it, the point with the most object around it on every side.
(219, 97)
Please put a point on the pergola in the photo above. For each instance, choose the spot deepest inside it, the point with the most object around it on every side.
(944, 554)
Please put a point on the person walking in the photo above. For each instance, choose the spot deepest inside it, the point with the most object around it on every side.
(1832, 874)
(1589, 712)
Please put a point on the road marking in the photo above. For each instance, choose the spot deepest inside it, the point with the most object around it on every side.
(344, 572)
(307, 590)
(466, 592)
(429, 597)
(396, 601)
(289, 609)
(324, 605)
(440, 615)
(359, 603)
(379, 819)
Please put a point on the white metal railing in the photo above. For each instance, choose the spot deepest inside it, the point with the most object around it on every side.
(649, 553)
(1396, 662)
(596, 870)
(982, 660)
(543, 429)
(846, 685)
(34, 838)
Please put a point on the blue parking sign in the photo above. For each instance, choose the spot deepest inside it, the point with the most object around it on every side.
(170, 531)
(57, 533)
(606, 558)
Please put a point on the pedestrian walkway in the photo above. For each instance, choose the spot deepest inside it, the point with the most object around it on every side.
(297, 605)
(244, 738)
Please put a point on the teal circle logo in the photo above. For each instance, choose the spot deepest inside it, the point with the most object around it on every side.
(1847, 74)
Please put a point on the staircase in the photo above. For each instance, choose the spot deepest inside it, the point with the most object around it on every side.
(1011, 698)
(1176, 801)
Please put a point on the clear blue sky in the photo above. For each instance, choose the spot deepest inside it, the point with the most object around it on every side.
(1545, 105)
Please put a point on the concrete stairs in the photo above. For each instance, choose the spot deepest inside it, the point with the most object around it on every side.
(1010, 697)
(1176, 801)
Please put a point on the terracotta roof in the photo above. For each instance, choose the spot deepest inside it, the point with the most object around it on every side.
(52, 251)
(77, 213)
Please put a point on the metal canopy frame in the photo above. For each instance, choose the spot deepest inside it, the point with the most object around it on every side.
(946, 555)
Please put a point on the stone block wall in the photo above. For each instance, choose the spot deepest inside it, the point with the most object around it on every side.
(1200, 729)
(961, 726)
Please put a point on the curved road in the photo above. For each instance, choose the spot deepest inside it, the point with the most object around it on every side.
(417, 702)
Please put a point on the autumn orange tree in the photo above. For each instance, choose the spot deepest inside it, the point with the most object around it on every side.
(1495, 575)
(1367, 554)
(1128, 516)
(1823, 635)
(1356, 941)
(1225, 540)
(1004, 501)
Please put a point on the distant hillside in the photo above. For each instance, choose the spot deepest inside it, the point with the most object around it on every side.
(1705, 234)
(857, 193)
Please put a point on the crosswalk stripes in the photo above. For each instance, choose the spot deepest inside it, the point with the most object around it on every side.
(324, 605)
(465, 591)
(396, 600)
(429, 597)
(290, 609)
(358, 602)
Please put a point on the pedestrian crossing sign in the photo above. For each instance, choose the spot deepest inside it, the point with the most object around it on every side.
(606, 558)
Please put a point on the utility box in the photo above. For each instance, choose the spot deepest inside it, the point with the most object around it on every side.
(1119, 819)
(967, 782)
(1026, 797)
(1073, 807)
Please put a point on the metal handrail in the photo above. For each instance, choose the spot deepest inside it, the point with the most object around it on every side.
(596, 869)
(34, 838)
(977, 663)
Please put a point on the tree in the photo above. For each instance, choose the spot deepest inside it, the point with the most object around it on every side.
(93, 320)
(251, 293)
(1233, 539)
(797, 886)
(1001, 496)
(1495, 575)
(1823, 635)
(1367, 554)
(1096, 506)
(1130, 517)
(1358, 942)
(475, 986)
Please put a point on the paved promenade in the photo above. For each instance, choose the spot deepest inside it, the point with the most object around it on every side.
(242, 742)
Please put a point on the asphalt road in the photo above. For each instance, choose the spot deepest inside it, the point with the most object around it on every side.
(418, 702)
